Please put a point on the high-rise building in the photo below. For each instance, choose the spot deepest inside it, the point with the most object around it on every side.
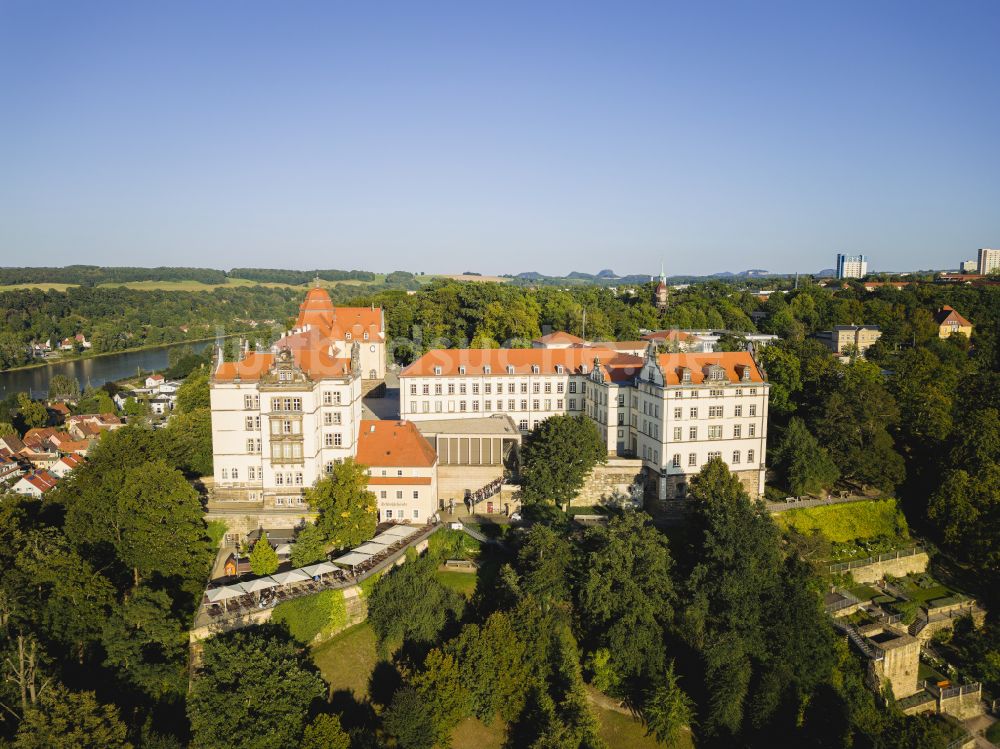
(969, 266)
(989, 261)
(851, 266)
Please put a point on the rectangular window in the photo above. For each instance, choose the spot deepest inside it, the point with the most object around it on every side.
(534, 404)
(749, 456)
(736, 457)
(488, 405)
(572, 404)
(677, 434)
(298, 478)
(328, 440)
(676, 460)
(715, 393)
(225, 474)
(572, 387)
(451, 388)
(511, 404)
(338, 439)
(678, 393)
(425, 390)
(475, 405)
(524, 404)
(715, 432)
(753, 391)
(753, 409)
(751, 430)
(678, 413)
(559, 387)
(738, 411)
(548, 387)
(737, 432)
(524, 387)
(416, 513)
(692, 459)
(461, 405)
(279, 479)
(536, 387)
(693, 433)
(693, 413)
(247, 401)
(523, 425)
(328, 419)
(399, 494)
(437, 388)
(461, 389)
(327, 398)
(713, 455)
(487, 388)
(475, 388)
(413, 389)
(416, 495)
(388, 514)
(559, 404)
(715, 412)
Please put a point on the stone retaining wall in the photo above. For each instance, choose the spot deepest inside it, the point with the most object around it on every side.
(901, 567)
(608, 480)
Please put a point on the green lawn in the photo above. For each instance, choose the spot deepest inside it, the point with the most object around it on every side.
(863, 592)
(463, 582)
(927, 672)
(346, 661)
(846, 522)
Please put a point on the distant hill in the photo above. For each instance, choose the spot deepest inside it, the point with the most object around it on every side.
(607, 273)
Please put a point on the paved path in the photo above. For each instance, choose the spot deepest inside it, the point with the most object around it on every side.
(978, 724)
(386, 407)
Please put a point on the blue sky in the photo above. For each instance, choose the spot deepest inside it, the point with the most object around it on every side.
(499, 137)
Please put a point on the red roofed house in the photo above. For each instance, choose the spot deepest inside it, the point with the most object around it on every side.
(403, 470)
(64, 465)
(90, 426)
(950, 322)
(35, 483)
(558, 339)
(8, 467)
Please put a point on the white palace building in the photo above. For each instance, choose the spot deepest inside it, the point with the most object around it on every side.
(283, 417)
(673, 411)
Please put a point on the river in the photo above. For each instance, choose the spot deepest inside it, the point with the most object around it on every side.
(91, 372)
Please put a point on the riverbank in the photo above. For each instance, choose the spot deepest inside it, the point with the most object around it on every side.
(86, 356)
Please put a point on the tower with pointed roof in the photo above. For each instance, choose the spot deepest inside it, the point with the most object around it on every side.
(662, 292)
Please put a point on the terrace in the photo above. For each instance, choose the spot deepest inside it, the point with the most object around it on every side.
(240, 604)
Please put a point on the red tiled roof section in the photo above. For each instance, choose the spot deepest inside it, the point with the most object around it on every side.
(733, 363)
(560, 336)
(41, 480)
(522, 360)
(396, 444)
(949, 314)
(668, 335)
(318, 311)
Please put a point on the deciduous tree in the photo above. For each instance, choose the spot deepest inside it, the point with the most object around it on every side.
(348, 512)
(559, 454)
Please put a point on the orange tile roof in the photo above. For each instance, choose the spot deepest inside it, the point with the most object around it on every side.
(383, 444)
(668, 335)
(399, 480)
(318, 311)
(559, 336)
(41, 480)
(949, 314)
(71, 460)
(522, 360)
(318, 346)
(732, 362)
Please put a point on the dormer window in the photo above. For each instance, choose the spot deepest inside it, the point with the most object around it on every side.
(461, 370)
(583, 368)
(510, 369)
(716, 373)
(437, 370)
(686, 376)
(366, 335)
(746, 374)
(535, 369)
(487, 369)
(559, 368)
(348, 336)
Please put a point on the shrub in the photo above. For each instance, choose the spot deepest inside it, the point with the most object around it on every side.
(849, 521)
(306, 617)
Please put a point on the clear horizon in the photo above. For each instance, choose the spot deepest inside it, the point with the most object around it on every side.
(447, 138)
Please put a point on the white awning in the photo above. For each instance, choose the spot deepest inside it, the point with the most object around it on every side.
(262, 583)
(224, 593)
(400, 531)
(352, 559)
(371, 547)
(292, 576)
(323, 568)
(283, 550)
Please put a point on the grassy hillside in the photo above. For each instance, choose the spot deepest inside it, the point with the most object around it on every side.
(846, 522)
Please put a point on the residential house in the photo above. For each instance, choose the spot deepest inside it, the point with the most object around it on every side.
(8, 467)
(64, 465)
(949, 322)
(36, 483)
(846, 340)
(89, 426)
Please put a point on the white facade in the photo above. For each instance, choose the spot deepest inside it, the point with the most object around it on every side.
(852, 266)
(644, 406)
